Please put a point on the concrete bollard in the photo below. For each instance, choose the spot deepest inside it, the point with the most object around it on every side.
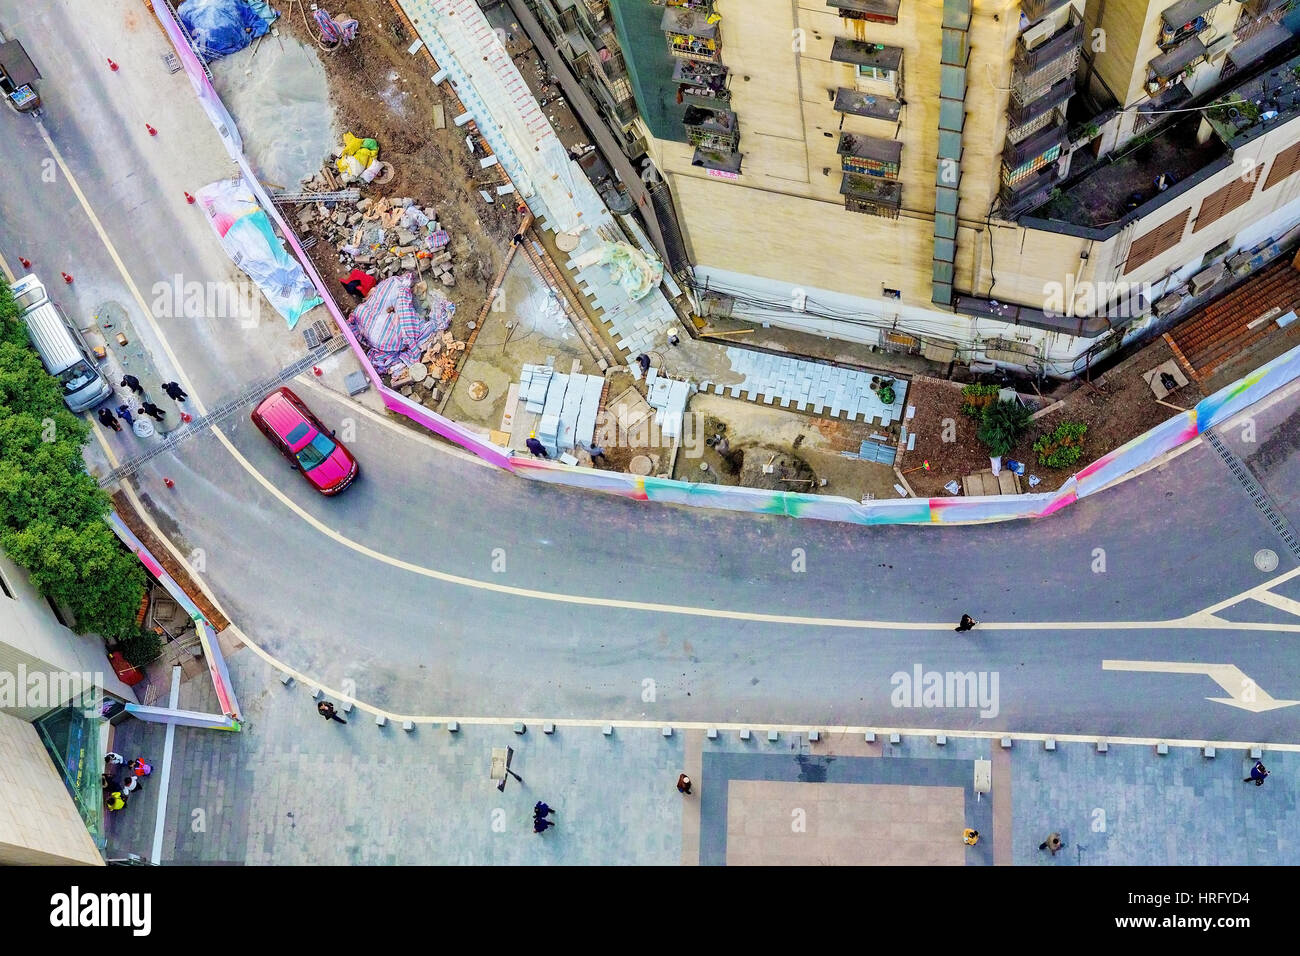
(381, 720)
(548, 728)
(453, 726)
(408, 725)
(520, 728)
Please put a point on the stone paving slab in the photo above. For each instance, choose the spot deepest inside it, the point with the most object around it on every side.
(292, 788)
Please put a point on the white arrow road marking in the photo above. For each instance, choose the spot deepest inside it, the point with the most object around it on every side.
(1246, 694)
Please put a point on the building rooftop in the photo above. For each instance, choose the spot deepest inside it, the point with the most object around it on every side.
(1185, 11)
(870, 147)
(885, 9)
(869, 187)
(688, 22)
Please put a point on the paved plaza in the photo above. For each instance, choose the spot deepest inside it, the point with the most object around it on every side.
(292, 788)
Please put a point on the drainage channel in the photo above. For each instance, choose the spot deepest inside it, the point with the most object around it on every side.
(1255, 491)
(223, 411)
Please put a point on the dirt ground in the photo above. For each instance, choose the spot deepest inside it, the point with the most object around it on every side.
(1117, 407)
(802, 450)
(379, 90)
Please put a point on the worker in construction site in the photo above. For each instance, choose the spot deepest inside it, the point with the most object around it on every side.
(536, 447)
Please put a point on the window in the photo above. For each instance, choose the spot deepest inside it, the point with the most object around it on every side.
(4, 586)
(1284, 164)
(1223, 201)
(1160, 239)
(315, 452)
(875, 73)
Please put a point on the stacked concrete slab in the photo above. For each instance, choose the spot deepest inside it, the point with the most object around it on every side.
(568, 406)
(809, 387)
(668, 398)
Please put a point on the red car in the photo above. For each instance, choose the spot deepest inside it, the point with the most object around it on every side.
(307, 444)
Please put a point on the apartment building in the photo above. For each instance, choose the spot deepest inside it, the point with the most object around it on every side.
(1025, 184)
(51, 730)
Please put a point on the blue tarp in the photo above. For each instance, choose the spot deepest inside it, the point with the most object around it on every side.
(222, 27)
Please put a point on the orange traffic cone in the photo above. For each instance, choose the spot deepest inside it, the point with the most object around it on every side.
(27, 263)
(152, 131)
(66, 278)
(315, 370)
(169, 483)
(111, 65)
(188, 198)
(186, 417)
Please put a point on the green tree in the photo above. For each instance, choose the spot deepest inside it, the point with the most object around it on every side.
(1001, 426)
(51, 511)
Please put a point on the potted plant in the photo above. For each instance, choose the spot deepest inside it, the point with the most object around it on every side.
(1001, 426)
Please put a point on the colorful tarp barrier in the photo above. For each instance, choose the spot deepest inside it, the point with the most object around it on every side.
(390, 326)
(246, 235)
(335, 29)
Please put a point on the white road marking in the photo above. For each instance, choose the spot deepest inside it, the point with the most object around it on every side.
(1246, 694)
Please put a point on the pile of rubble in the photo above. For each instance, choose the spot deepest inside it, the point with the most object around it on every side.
(384, 236)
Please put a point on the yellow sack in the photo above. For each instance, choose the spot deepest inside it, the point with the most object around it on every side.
(350, 144)
(349, 165)
(364, 156)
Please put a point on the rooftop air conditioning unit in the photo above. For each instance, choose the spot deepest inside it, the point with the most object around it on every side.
(1239, 263)
(1167, 304)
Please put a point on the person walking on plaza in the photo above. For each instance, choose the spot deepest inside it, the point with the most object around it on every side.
(541, 824)
(683, 784)
(133, 383)
(326, 710)
(109, 420)
(595, 451)
(1053, 843)
(140, 768)
(1257, 774)
(149, 408)
(174, 391)
(644, 361)
(131, 784)
(536, 447)
(115, 800)
(967, 623)
(124, 413)
(541, 811)
(970, 837)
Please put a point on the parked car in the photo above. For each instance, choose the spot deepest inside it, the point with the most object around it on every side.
(310, 447)
(60, 345)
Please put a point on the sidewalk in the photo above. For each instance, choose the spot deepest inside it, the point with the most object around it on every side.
(295, 789)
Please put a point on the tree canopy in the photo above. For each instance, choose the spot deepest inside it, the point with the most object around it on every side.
(51, 511)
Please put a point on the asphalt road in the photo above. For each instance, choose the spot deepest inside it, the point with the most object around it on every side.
(341, 605)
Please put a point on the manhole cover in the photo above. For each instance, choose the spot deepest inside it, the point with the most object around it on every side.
(566, 242)
(1266, 559)
(418, 372)
(478, 391)
(640, 465)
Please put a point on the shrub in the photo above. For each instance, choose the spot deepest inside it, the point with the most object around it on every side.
(976, 397)
(886, 394)
(1001, 426)
(141, 648)
(1062, 446)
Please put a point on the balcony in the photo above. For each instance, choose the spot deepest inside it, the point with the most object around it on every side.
(718, 160)
(877, 11)
(877, 56)
(867, 104)
(690, 35)
(1185, 12)
(1028, 193)
(1061, 43)
(1057, 94)
(870, 155)
(1168, 65)
(1043, 147)
(874, 197)
(707, 80)
(711, 129)
(1035, 10)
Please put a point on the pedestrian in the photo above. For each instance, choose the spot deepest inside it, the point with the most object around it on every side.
(133, 383)
(149, 408)
(644, 361)
(113, 759)
(326, 710)
(683, 784)
(541, 811)
(174, 391)
(124, 413)
(967, 623)
(129, 787)
(115, 800)
(1053, 843)
(109, 420)
(541, 824)
(536, 447)
(595, 451)
(140, 768)
(674, 340)
(970, 837)
(1257, 774)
